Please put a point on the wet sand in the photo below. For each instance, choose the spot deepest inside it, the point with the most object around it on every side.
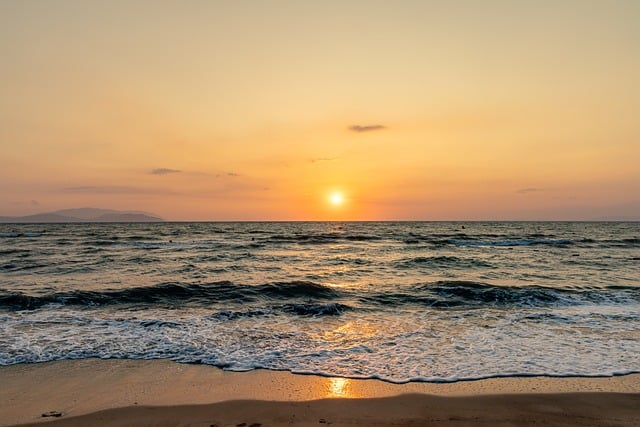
(164, 393)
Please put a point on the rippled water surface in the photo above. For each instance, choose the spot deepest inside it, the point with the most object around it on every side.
(396, 301)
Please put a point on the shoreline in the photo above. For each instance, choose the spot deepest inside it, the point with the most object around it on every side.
(151, 391)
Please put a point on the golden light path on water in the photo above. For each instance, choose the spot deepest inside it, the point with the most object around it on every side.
(339, 387)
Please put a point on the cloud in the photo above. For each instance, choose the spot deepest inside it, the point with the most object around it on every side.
(114, 190)
(322, 159)
(232, 174)
(367, 128)
(35, 203)
(528, 190)
(164, 171)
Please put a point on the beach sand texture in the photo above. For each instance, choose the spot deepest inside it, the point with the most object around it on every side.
(163, 393)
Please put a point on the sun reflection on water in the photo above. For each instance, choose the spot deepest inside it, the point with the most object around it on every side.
(339, 387)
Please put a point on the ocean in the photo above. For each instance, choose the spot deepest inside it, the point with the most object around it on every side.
(396, 301)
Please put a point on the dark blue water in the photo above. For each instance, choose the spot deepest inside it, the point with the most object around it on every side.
(396, 301)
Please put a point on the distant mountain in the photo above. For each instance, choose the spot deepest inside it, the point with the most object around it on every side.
(84, 215)
(94, 214)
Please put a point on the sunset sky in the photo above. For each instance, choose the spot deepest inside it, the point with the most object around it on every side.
(266, 110)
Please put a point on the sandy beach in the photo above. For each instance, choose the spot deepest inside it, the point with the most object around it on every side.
(164, 393)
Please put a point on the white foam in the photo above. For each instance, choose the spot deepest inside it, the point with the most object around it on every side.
(410, 346)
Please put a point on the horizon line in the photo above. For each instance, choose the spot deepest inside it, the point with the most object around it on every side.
(323, 220)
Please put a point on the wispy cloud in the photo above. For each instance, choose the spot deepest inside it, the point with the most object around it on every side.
(367, 128)
(528, 190)
(231, 174)
(94, 189)
(322, 159)
(164, 171)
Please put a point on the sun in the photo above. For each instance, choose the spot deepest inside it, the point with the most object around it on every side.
(336, 198)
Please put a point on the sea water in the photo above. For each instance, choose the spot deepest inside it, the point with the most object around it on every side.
(398, 301)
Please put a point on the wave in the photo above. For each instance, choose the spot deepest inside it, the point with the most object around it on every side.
(632, 242)
(514, 242)
(24, 267)
(320, 238)
(170, 295)
(470, 295)
(316, 309)
(113, 241)
(300, 309)
(12, 251)
(309, 298)
(442, 262)
(534, 239)
(15, 235)
(462, 239)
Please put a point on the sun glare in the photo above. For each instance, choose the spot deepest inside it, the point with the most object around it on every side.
(339, 387)
(336, 199)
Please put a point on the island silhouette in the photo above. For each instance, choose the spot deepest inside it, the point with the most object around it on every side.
(84, 215)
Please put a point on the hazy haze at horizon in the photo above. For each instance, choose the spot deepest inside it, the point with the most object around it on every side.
(226, 110)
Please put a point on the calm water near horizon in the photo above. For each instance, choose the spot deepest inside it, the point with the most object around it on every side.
(398, 301)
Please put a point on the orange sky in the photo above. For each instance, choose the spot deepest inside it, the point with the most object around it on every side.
(258, 110)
